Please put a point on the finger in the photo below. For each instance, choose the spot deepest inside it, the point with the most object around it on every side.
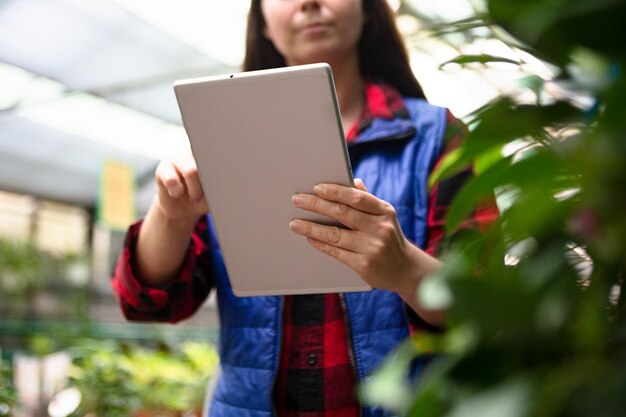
(342, 255)
(169, 180)
(188, 169)
(358, 183)
(333, 235)
(353, 197)
(344, 214)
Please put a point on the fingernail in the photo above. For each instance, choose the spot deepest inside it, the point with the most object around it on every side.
(297, 199)
(320, 190)
(296, 226)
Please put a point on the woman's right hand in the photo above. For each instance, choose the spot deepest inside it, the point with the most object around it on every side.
(179, 192)
(164, 235)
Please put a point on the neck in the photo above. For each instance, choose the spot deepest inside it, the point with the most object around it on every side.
(349, 85)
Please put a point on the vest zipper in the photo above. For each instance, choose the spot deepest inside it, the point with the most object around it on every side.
(281, 311)
(351, 357)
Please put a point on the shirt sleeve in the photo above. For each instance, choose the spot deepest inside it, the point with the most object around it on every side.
(440, 198)
(173, 301)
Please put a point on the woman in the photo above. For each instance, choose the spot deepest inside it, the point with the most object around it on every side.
(303, 355)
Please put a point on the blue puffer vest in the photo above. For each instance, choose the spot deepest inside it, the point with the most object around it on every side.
(394, 158)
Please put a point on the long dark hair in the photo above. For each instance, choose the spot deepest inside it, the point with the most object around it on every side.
(382, 54)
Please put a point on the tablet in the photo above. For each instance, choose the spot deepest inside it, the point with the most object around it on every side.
(258, 138)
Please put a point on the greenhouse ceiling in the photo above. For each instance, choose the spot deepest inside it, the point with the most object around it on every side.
(86, 81)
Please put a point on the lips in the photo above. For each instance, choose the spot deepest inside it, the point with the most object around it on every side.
(314, 27)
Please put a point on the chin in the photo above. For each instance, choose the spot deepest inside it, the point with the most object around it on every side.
(319, 56)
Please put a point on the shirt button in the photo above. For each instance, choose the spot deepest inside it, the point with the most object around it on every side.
(312, 360)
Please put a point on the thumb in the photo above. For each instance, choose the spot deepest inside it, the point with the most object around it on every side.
(358, 183)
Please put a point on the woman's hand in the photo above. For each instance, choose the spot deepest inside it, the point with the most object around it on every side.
(164, 235)
(179, 195)
(374, 245)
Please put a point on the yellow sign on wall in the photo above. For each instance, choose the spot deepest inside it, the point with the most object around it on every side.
(116, 205)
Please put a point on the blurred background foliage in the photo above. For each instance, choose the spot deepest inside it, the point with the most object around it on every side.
(117, 379)
(537, 323)
(8, 398)
(27, 272)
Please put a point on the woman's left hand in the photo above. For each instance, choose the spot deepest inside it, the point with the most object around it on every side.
(374, 245)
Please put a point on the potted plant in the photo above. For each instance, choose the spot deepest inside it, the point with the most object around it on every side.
(537, 304)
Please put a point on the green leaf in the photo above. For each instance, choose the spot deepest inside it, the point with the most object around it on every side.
(534, 83)
(487, 159)
(389, 387)
(450, 164)
(475, 190)
(556, 27)
(509, 399)
(434, 293)
(481, 59)
(499, 124)
(506, 121)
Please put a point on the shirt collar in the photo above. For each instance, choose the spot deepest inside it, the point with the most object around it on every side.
(381, 101)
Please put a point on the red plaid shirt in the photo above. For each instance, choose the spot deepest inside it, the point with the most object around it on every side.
(315, 377)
